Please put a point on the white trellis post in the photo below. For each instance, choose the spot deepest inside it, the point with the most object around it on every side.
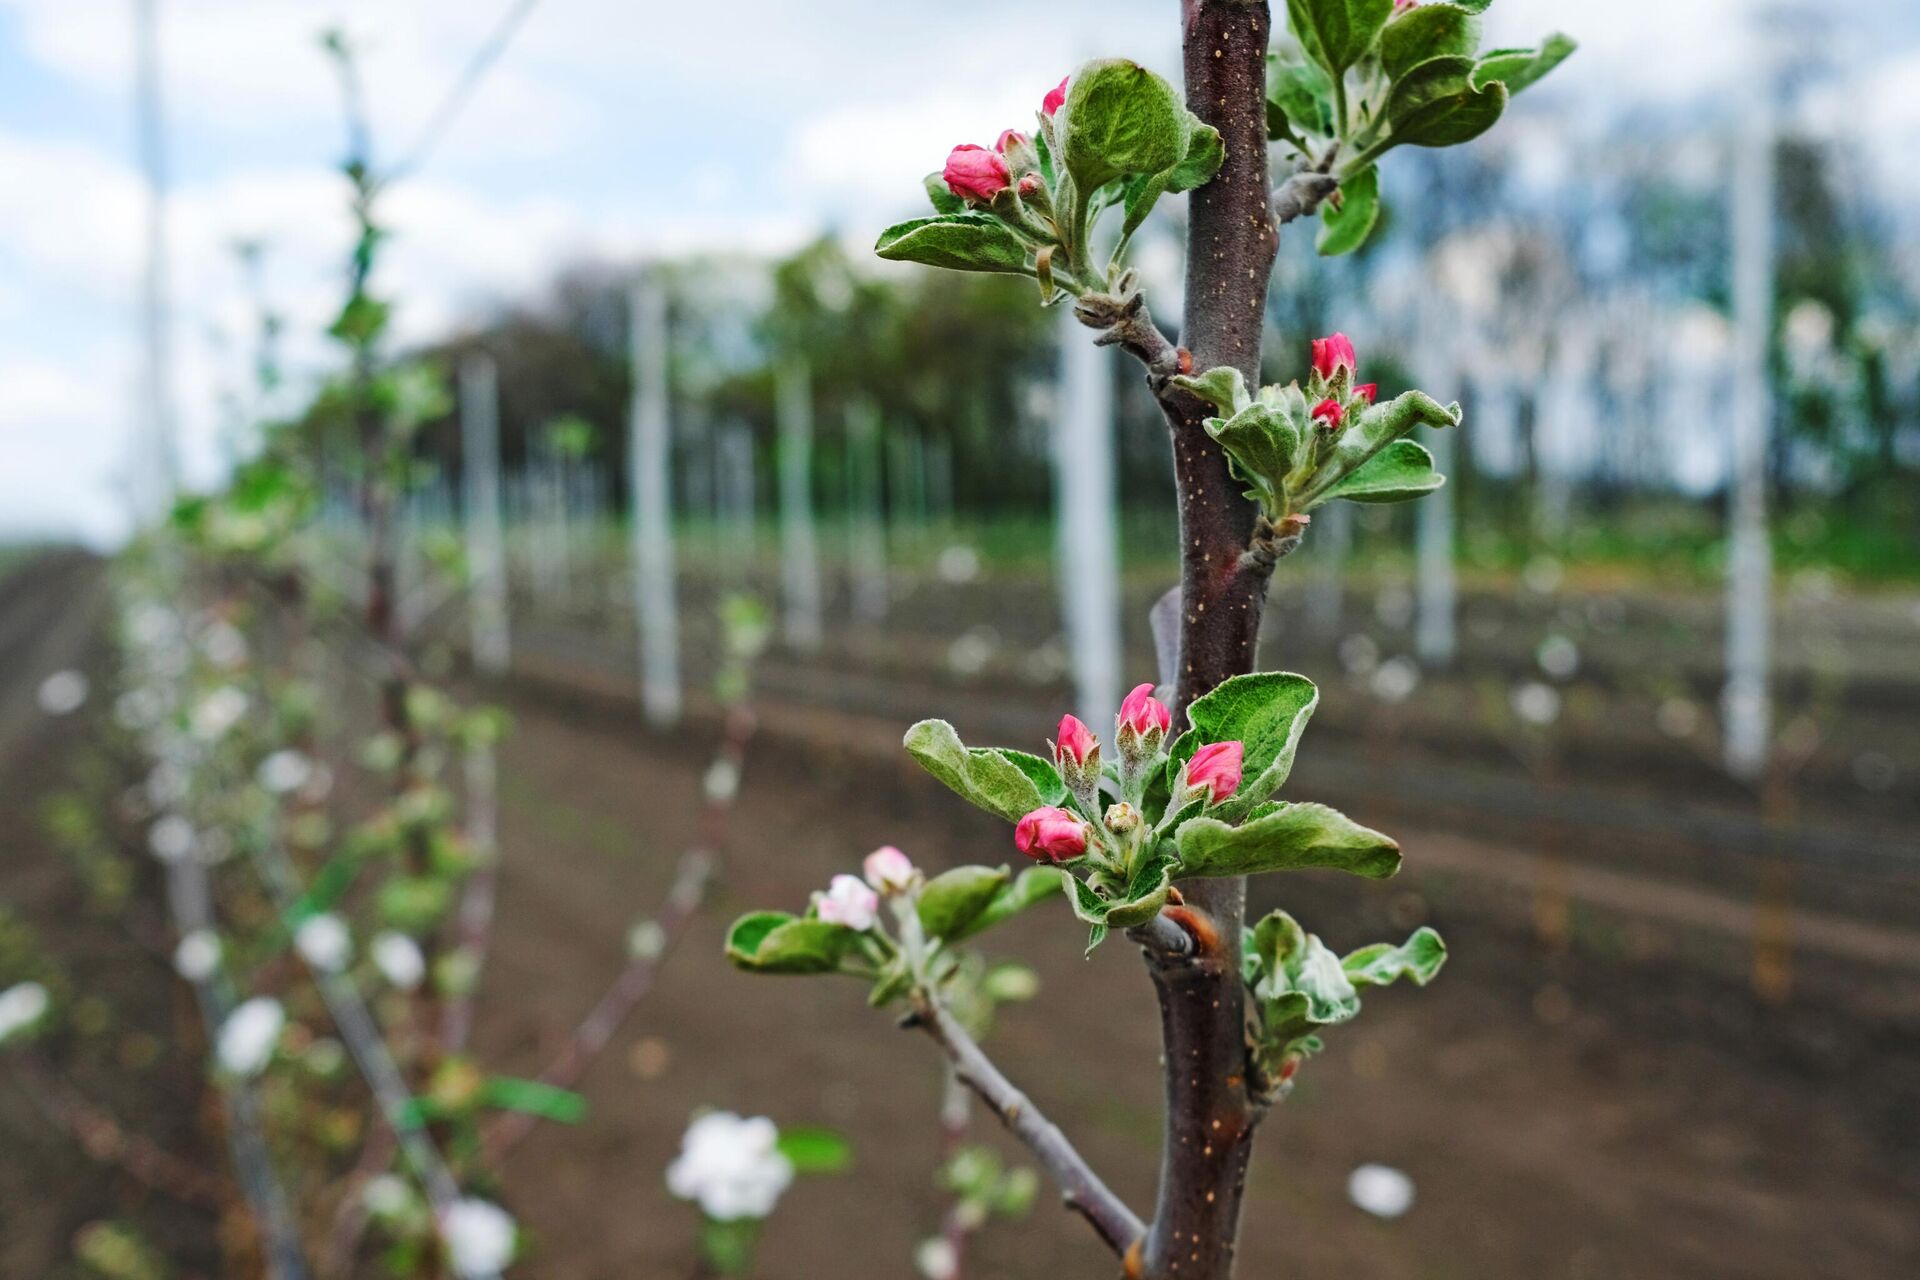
(1327, 546)
(733, 457)
(1744, 702)
(1436, 599)
(653, 589)
(866, 526)
(799, 548)
(486, 552)
(1088, 540)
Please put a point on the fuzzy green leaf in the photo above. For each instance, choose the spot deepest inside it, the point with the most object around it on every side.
(993, 780)
(1337, 33)
(1400, 472)
(1428, 31)
(1418, 959)
(1260, 445)
(1294, 836)
(1205, 154)
(1436, 105)
(1299, 97)
(1519, 68)
(775, 942)
(1035, 884)
(956, 241)
(1346, 225)
(951, 901)
(1225, 388)
(1119, 118)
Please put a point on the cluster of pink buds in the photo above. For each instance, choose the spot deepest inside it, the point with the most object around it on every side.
(1141, 730)
(979, 175)
(854, 901)
(1335, 365)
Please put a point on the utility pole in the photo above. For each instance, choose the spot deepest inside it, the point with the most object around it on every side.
(158, 454)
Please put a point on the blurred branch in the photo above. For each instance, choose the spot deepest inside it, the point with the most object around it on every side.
(1080, 1187)
(103, 1138)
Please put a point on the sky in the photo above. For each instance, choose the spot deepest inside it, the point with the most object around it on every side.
(610, 129)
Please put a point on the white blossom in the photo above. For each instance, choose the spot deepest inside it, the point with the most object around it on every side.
(1559, 657)
(283, 771)
(171, 838)
(479, 1236)
(1536, 703)
(197, 955)
(850, 902)
(63, 692)
(386, 1195)
(1396, 679)
(731, 1167)
(21, 1005)
(224, 646)
(323, 942)
(1382, 1191)
(218, 712)
(398, 959)
(722, 782)
(249, 1035)
(935, 1259)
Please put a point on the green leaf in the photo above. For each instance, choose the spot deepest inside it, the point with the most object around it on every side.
(1519, 68)
(1400, 472)
(534, 1098)
(944, 201)
(775, 942)
(1379, 965)
(1119, 118)
(1337, 33)
(953, 900)
(1266, 713)
(728, 1245)
(1035, 884)
(1045, 778)
(1428, 31)
(1474, 6)
(1225, 388)
(956, 241)
(1298, 980)
(1436, 105)
(1147, 890)
(1294, 836)
(995, 781)
(1205, 154)
(811, 1149)
(1346, 225)
(1260, 444)
(1299, 96)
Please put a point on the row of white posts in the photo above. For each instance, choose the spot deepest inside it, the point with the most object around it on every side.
(1087, 503)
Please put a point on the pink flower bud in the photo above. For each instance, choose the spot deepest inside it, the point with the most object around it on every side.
(1215, 768)
(1051, 835)
(1009, 138)
(975, 174)
(1329, 412)
(1332, 354)
(1401, 6)
(888, 870)
(1367, 391)
(1056, 97)
(1074, 742)
(1029, 186)
(849, 902)
(1143, 713)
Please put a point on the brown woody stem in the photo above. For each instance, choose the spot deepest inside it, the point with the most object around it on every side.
(1080, 1187)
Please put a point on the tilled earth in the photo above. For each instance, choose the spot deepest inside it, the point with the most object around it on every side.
(1622, 1106)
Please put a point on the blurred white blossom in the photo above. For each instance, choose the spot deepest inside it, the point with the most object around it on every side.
(1536, 703)
(249, 1035)
(197, 955)
(732, 1167)
(218, 712)
(21, 1005)
(171, 838)
(1382, 1191)
(283, 771)
(479, 1236)
(63, 693)
(398, 959)
(323, 942)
